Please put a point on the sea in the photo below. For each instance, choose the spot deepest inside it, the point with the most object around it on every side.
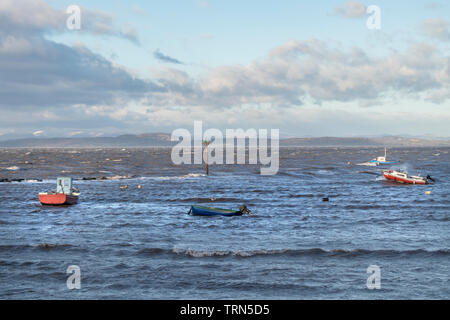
(372, 239)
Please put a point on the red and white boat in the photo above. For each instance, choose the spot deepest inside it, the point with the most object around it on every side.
(64, 194)
(403, 177)
(58, 199)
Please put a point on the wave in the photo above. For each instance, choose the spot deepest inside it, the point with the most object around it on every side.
(289, 174)
(51, 246)
(291, 252)
(307, 195)
(46, 246)
(116, 177)
(324, 168)
(186, 176)
(12, 168)
(152, 251)
(370, 172)
(368, 207)
(205, 200)
(128, 177)
(21, 180)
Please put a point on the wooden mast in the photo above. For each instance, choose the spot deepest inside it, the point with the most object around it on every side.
(206, 144)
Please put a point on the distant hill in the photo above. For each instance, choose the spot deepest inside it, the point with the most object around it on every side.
(128, 140)
(363, 142)
(328, 142)
(163, 139)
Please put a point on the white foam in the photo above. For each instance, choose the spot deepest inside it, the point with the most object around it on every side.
(368, 164)
(117, 177)
(187, 176)
(13, 168)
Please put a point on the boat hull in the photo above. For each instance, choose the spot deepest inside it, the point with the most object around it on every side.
(385, 163)
(208, 211)
(395, 178)
(57, 199)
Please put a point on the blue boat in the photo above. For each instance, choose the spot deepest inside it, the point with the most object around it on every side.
(379, 161)
(209, 211)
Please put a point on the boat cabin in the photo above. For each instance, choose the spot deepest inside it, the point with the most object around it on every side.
(64, 185)
(399, 174)
(380, 159)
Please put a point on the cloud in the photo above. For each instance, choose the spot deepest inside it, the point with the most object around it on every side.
(102, 23)
(38, 133)
(74, 88)
(207, 36)
(311, 70)
(29, 16)
(54, 74)
(39, 73)
(437, 28)
(433, 5)
(351, 9)
(75, 133)
(164, 58)
(34, 17)
(202, 3)
(138, 10)
(59, 76)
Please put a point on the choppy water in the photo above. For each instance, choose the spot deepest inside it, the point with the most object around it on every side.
(141, 244)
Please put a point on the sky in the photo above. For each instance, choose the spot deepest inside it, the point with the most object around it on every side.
(307, 68)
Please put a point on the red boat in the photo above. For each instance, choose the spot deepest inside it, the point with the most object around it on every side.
(64, 194)
(402, 177)
(57, 199)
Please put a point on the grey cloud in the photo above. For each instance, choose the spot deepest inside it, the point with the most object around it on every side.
(37, 72)
(33, 17)
(351, 9)
(49, 74)
(437, 28)
(164, 58)
(102, 23)
(29, 16)
(433, 5)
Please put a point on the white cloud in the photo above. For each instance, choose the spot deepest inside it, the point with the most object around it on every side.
(75, 133)
(38, 133)
(311, 69)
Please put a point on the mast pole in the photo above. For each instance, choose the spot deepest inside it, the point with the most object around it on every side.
(207, 166)
(206, 144)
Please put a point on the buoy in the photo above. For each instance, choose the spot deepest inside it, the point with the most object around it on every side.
(139, 187)
(427, 192)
